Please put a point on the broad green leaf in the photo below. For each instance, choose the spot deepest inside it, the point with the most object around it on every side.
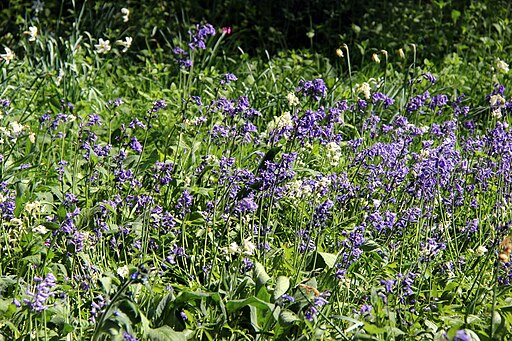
(329, 259)
(373, 329)
(261, 275)
(282, 286)
(162, 305)
(166, 333)
(106, 283)
(287, 317)
(234, 305)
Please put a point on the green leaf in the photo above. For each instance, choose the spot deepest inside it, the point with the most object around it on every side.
(162, 305)
(373, 329)
(106, 283)
(455, 15)
(261, 275)
(329, 259)
(166, 333)
(234, 305)
(497, 323)
(282, 286)
(287, 317)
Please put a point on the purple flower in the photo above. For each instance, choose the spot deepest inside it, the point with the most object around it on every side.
(184, 63)
(228, 77)
(461, 335)
(184, 203)
(417, 102)
(5, 103)
(246, 205)
(201, 33)
(97, 307)
(388, 285)
(322, 213)
(315, 88)
(42, 293)
(93, 120)
(129, 337)
(178, 50)
(429, 77)
(247, 265)
(318, 303)
(380, 97)
(288, 298)
(135, 145)
(365, 310)
(157, 106)
(136, 123)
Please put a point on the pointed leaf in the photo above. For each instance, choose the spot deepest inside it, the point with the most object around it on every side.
(282, 286)
(261, 275)
(329, 259)
(234, 305)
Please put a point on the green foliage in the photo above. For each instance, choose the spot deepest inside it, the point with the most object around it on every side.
(141, 197)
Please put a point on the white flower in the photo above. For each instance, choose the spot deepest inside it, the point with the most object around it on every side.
(41, 229)
(8, 55)
(323, 184)
(103, 46)
(364, 89)
(60, 76)
(339, 53)
(502, 66)
(16, 221)
(496, 100)
(292, 99)
(280, 122)
(16, 128)
(310, 34)
(376, 58)
(401, 53)
(126, 14)
(249, 246)
(32, 32)
(333, 152)
(481, 250)
(123, 271)
(33, 207)
(231, 249)
(32, 137)
(496, 113)
(127, 43)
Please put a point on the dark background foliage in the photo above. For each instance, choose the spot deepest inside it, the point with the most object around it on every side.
(442, 26)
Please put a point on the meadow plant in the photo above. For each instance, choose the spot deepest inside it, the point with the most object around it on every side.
(187, 200)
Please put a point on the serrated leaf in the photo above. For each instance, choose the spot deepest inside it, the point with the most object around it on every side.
(282, 286)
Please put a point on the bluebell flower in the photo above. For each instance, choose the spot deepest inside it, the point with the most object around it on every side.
(42, 293)
(315, 89)
(228, 77)
(135, 145)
